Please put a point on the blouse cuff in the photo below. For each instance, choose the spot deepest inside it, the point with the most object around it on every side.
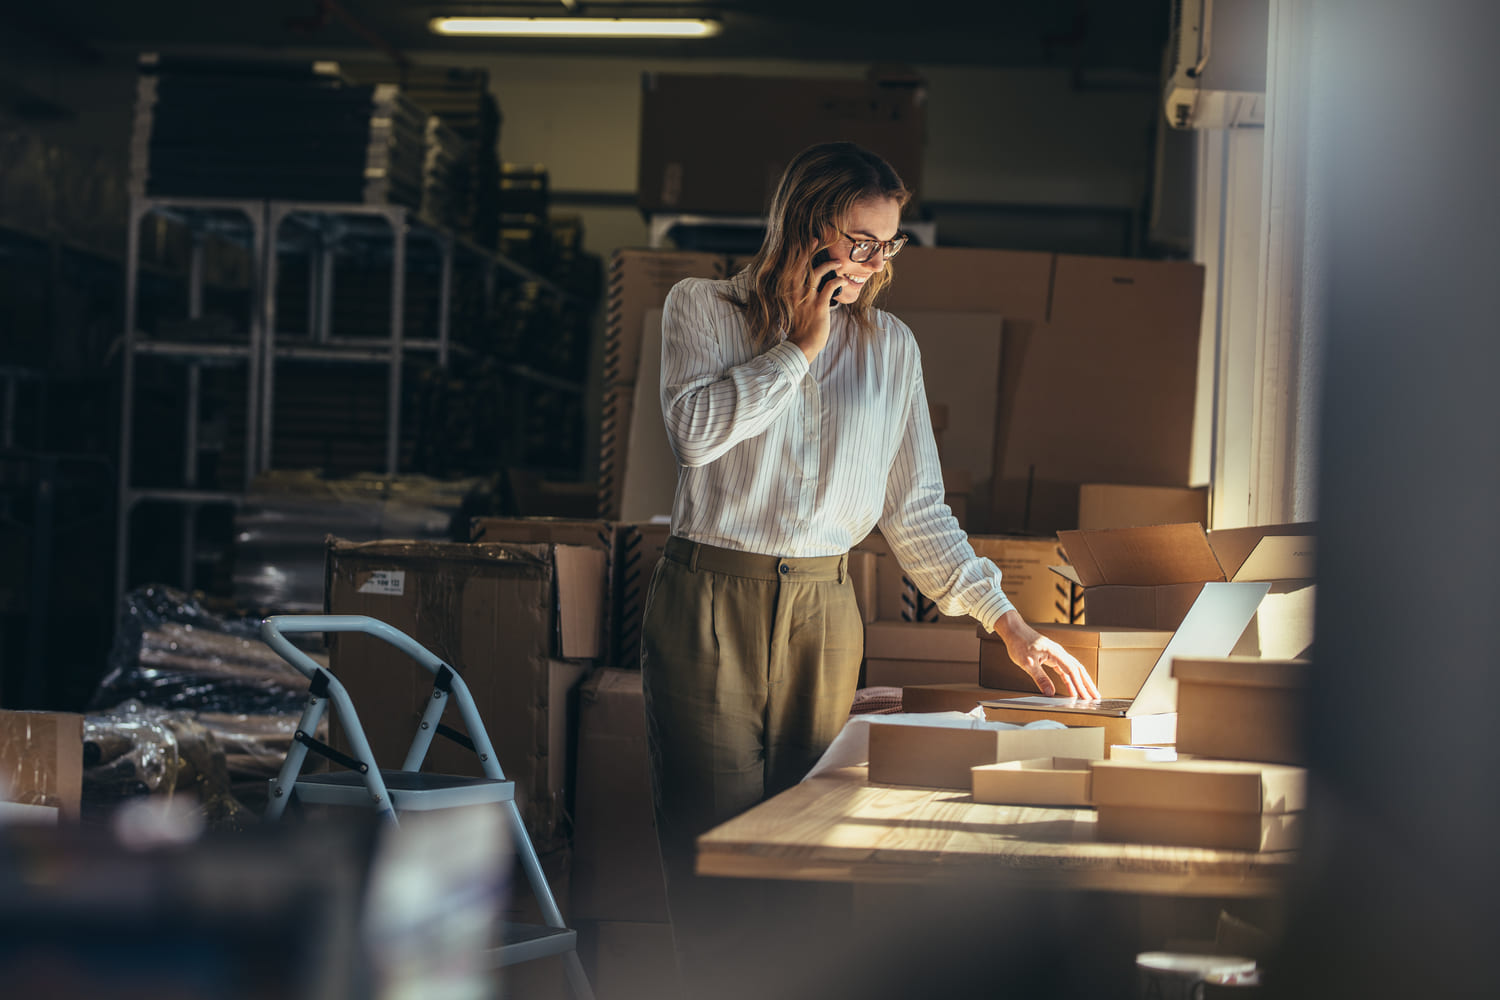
(990, 610)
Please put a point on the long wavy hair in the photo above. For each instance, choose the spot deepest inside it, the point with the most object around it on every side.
(816, 192)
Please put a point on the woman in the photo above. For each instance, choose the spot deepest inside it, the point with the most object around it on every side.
(799, 420)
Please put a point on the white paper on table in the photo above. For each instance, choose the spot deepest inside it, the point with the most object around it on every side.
(851, 747)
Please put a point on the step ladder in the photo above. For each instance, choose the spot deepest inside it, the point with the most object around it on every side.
(391, 792)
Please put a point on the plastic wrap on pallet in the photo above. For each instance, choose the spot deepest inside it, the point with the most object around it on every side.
(281, 528)
(171, 652)
(135, 749)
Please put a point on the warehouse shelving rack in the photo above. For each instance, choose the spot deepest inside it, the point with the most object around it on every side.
(240, 221)
(267, 229)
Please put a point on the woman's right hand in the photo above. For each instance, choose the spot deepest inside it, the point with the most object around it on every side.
(811, 319)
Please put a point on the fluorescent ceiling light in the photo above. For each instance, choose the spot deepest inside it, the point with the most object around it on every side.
(574, 27)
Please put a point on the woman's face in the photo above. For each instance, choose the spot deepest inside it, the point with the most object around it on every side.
(871, 219)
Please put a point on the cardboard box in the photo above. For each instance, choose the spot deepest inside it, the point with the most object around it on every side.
(1240, 708)
(617, 871)
(896, 597)
(1025, 565)
(1112, 505)
(1117, 658)
(1190, 828)
(863, 575)
(1126, 751)
(1229, 805)
(41, 760)
(1217, 618)
(900, 653)
(641, 546)
(1116, 339)
(1121, 346)
(944, 697)
(1149, 577)
(1153, 729)
(497, 614)
(638, 282)
(923, 641)
(900, 673)
(1041, 781)
(718, 143)
(941, 756)
(615, 414)
(961, 371)
(1015, 284)
(574, 573)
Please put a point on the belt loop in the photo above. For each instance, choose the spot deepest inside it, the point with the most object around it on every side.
(843, 567)
(693, 557)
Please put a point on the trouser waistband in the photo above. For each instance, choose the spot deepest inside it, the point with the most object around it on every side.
(753, 565)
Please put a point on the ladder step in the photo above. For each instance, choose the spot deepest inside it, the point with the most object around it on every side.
(409, 791)
(524, 942)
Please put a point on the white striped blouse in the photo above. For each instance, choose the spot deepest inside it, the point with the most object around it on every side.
(783, 458)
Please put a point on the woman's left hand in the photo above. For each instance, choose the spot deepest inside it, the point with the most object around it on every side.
(1034, 652)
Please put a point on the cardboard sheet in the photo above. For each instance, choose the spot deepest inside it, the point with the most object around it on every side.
(650, 477)
(961, 368)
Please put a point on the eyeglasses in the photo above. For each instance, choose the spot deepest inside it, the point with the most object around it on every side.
(862, 250)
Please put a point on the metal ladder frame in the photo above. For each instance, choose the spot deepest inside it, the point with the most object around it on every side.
(533, 942)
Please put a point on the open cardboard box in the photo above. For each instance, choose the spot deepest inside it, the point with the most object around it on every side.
(1149, 577)
(1241, 708)
(584, 583)
(940, 755)
(1223, 804)
(1040, 781)
(1212, 625)
(1117, 658)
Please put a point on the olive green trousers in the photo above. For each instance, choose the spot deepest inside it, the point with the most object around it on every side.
(749, 664)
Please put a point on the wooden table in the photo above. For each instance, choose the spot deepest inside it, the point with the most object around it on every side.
(841, 828)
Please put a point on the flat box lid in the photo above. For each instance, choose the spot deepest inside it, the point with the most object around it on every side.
(1243, 671)
(1105, 636)
(1201, 785)
(1267, 552)
(1142, 557)
(1166, 554)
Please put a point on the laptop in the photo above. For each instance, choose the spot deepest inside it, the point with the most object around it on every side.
(1213, 625)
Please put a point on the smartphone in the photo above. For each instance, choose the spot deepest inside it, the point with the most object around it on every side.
(822, 257)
